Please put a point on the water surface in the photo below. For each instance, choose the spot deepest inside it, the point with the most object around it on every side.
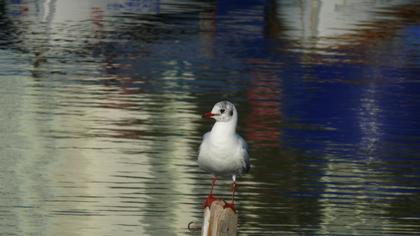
(100, 105)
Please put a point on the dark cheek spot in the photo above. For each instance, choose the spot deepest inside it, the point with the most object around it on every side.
(231, 113)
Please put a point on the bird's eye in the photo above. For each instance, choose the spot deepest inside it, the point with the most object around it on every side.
(222, 110)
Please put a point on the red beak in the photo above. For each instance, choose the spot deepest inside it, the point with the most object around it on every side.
(208, 115)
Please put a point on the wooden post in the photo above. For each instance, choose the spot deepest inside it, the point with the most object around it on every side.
(219, 221)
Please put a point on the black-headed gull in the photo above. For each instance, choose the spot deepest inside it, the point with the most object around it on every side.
(222, 151)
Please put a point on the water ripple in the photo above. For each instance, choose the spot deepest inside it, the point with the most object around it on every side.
(101, 103)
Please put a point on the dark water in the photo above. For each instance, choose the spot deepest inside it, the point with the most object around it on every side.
(100, 105)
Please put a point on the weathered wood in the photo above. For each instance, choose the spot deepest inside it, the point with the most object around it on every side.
(219, 221)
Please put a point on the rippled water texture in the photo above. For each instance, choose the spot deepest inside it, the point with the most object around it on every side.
(100, 105)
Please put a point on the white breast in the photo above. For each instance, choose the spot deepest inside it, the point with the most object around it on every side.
(221, 157)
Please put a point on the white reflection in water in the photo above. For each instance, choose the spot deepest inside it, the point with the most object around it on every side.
(319, 23)
(356, 183)
(93, 155)
(103, 156)
(369, 124)
(350, 200)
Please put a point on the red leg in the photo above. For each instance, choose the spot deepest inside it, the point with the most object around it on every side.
(210, 198)
(231, 205)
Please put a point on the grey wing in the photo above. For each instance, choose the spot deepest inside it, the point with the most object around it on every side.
(246, 164)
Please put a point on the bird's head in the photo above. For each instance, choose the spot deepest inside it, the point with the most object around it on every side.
(222, 111)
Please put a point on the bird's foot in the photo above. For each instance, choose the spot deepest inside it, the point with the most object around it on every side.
(208, 201)
(230, 205)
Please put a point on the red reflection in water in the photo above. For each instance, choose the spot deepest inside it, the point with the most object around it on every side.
(262, 122)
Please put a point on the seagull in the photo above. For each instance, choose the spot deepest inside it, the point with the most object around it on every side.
(222, 151)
